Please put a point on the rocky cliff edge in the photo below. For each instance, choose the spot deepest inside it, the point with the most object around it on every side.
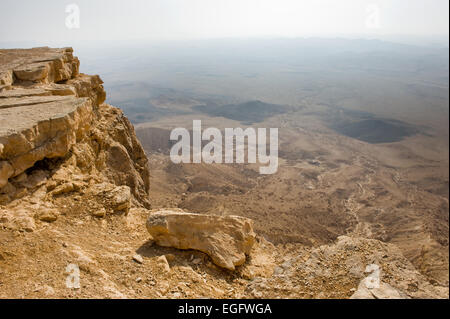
(57, 136)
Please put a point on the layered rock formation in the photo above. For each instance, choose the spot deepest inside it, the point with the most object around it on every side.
(352, 267)
(49, 111)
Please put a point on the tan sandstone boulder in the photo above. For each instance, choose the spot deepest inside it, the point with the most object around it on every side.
(50, 112)
(226, 239)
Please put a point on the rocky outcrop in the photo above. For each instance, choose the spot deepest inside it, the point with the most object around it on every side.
(40, 117)
(111, 151)
(52, 116)
(42, 65)
(226, 239)
(352, 267)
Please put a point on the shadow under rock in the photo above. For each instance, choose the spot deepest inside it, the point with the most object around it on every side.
(197, 260)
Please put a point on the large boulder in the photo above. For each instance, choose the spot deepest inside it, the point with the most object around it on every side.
(226, 239)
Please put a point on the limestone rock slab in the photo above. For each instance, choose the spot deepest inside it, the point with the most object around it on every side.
(226, 239)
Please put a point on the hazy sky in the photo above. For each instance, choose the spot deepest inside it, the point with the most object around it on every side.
(45, 20)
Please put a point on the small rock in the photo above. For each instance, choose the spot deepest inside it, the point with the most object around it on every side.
(162, 261)
(120, 198)
(77, 185)
(218, 291)
(138, 279)
(48, 215)
(278, 270)
(63, 189)
(196, 261)
(138, 258)
(256, 293)
(101, 212)
(163, 287)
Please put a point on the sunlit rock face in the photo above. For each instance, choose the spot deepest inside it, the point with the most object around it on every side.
(48, 111)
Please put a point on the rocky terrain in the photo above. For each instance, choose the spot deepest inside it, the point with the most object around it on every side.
(75, 190)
